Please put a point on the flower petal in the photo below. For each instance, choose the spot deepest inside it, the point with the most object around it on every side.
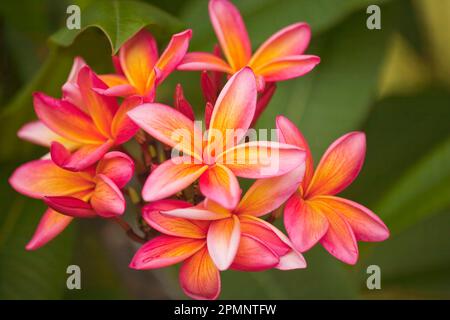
(172, 226)
(339, 166)
(231, 33)
(203, 61)
(172, 56)
(305, 222)
(288, 133)
(107, 199)
(221, 185)
(122, 127)
(233, 112)
(339, 239)
(287, 67)
(223, 241)
(114, 80)
(254, 255)
(123, 90)
(137, 58)
(366, 225)
(261, 159)
(164, 251)
(37, 132)
(266, 195)
(82, 158)
(199, 277)
(198, 212)
(289, 41)
(65, 119)
(70, 90)
(169, 126)
(101, 108)
(41, 178)
(117, 166)
(70, 206)
(51, 224)
(171, 177)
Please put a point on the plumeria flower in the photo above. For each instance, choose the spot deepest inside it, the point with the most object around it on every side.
(279, 58)
(314, 213)
(139, 67)
(260, 247)
(83, 194)
(89, 128)
(220, 158)
(228, 226)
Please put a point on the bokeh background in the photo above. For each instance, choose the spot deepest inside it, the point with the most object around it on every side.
(393, 83)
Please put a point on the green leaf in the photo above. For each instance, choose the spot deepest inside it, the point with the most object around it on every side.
(119, 20)
(39, 274)
(406, 169)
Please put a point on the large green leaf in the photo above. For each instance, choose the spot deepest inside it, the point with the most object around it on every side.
(119, 20)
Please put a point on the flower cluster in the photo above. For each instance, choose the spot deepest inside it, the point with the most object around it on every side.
(191, 193)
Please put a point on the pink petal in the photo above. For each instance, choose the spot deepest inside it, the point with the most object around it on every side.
(221, 185)
(339, 239)
(261, 159)
(289, 41)
(137, 58)
(122, 127)
(287, 67)
(254, 255)
(38, 133)
(172, 226)
(164, 251)
(70, 90)
(199, 277)
(266, 195)
(70, 206)
(51, 224)
(204, 61)
(41, 178)
(339, 166)
(169, 126)
(123, 90)
(181, 103)
(233, 112)
(366, 225)
(231, 32)
(171, 177)
(305, 222)
(288, 133)
(101, 108)
(174, 53)
(117, 166)
(66, 120)
(107, 199)
(198, 212)
(82, 158)
(223, 241)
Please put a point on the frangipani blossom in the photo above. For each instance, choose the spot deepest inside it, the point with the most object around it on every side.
(84, 194)
(226, 233)
(315, 213)
(260, 247)
(89, 128)
(279, 58)
(140, 68)
(219, 159)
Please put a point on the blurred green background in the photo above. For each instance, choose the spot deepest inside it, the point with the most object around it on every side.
(393, 83)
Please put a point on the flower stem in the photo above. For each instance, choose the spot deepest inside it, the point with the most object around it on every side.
(129, 231)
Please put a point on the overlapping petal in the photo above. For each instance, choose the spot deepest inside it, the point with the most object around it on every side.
(339, 166)
(203, 61)
(107, 199)
(117, 166)
(223, 241)
(287, 67)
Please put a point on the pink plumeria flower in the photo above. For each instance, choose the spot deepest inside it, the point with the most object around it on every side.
(260, 247)
(140, 68)
(89, 128)
(219, 158)
(83, 194)
(229, 225)
(279, 58)
(314, 213)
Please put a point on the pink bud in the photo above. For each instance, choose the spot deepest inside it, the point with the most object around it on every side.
(181, 104)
